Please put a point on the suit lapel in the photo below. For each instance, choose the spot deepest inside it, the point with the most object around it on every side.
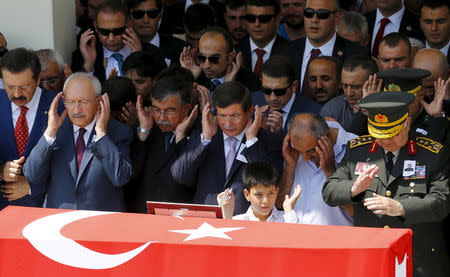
(6, 122)
(40, 121)
(378, 160)
(87, 156)
(397, 170)
(339, 48)
(246, 52)
(69, 151)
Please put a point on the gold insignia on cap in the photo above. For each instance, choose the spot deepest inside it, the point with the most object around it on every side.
(381, 118)
(394, 87)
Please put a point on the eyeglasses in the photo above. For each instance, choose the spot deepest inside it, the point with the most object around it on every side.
(276, 91)
(263, 18)
(3, 51)
(50, 81)
(82, 103)
(233, 117)
(200, 58)
(321, 14)
(139, 14)
(115, 31)
(19, 88)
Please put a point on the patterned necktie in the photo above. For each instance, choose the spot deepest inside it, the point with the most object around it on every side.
(21, 131)
(167, 138)
(259, 62)
(389, 162)
(119, 58)
(79, 146)
(231, 155)
(214, 84)
(379, 37)
(306, 89)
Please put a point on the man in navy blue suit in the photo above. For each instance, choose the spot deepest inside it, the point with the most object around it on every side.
(23, 118)
(216, 156)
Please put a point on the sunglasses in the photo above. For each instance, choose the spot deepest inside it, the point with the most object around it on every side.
(263, 18)
(276, 91)
(321, 14)
(3, 51)
(200, 58)
(115, 31)
(138, 14)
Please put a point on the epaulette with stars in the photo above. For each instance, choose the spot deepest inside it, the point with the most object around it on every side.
(429, 144)
(362, 140)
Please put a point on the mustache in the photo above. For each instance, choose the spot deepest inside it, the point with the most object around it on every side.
(320, 90)
(78, 115)
(162, 122)
(19, 98)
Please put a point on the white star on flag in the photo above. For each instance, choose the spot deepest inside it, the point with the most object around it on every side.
(206, 230)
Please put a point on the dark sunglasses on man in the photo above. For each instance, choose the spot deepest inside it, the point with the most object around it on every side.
(321, 14)
(139, 14)
(115, 31)
(200, 58)
(276, 91)
(263, 18)
(3, 51)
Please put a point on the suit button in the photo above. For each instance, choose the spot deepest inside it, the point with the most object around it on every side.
(386, 226)
(412, 191)
(412, 184)
(432, 249)
(388, 193)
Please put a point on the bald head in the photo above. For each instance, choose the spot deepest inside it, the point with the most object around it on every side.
(434, 61)
(306, 124)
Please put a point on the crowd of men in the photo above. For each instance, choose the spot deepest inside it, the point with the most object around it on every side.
(172, 100)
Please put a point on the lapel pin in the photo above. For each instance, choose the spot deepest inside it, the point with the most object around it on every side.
(408, 28)
(340, 53)
(45, 112)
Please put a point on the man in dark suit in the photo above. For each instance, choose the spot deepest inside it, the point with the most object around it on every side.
(321, 40)
(216, 155)
(391, 16)
(435, 23)
(82, 159)
(162, 135)
(263, 18)
(279, 84)
(214, 63)
(23, 118)
(145, 16)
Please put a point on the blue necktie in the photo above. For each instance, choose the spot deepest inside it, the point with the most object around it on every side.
(119, 58)
(214, 84)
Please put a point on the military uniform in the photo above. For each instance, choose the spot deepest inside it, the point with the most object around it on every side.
(423, 195)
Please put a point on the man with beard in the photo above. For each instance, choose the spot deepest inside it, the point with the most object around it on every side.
(355, 73)
(235, 19)
(292, 16)
(324, 78)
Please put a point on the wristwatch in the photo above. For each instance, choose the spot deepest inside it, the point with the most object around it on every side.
(439, 115)
(143, 130)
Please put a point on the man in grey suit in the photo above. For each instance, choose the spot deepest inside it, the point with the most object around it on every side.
(84, 160)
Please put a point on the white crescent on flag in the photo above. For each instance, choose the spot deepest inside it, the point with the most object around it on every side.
(45, 235)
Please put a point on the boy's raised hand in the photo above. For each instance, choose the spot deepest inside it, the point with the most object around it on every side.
(289, 202)
(226, 201)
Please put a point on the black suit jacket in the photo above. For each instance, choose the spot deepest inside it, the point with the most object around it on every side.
(172, 18)
(152, 179)
(169, 48)
(244, 46)
(203, 167)
(343, 48)
(248, 79)
(99, 68)
(409, 26)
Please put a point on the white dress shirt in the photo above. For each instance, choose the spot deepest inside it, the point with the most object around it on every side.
(287, 108)
(310, 207)
(444, 49)
(76, 131)
(189, 2)
(1, 83)
(32, 106)
(325, 50)
(275, 216)
(267, 48)
(111, 62)
(156, 40)
(391, 27)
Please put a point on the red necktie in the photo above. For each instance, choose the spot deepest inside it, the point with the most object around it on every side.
(379, 36)
(306, 89)
(259, 62)
(79, 146)
(21, 131)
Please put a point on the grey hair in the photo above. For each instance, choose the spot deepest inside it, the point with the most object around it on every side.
(82, 75)
(47, 56)
(355, 23)
(416, 43)
(319, 126)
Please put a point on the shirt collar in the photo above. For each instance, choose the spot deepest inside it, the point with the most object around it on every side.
(267, 48)
(238, 137)
(88, 128)
(189, 2)
(33, 104)
(444, 49)
(275, 215)
(221, 80)
(156, 40)
(341, 140)
(288, 105)
(396, 18)
(325, 50)
(125, 51)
